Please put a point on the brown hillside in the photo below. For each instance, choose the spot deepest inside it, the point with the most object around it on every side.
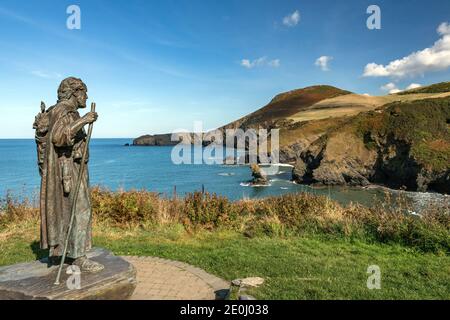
(286, 105)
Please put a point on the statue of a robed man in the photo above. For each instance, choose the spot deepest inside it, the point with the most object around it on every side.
(61, 139)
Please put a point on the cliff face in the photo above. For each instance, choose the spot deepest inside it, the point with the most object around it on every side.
(403, 145)
(337, 160)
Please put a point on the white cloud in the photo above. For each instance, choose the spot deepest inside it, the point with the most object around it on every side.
(253, 63)
(46, 75)
(413, 86)
(274, 63)
(292, 19)
(391, 88)
(388, 86)
(323, 62)
(444, 28)
(435, 58)
(246, 63)
(249, 64)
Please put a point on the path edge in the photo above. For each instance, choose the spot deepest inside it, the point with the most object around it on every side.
(221, 287)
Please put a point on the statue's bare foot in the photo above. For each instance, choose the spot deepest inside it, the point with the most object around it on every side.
(87, 265)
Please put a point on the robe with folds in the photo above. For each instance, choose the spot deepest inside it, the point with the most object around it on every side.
(60, 170)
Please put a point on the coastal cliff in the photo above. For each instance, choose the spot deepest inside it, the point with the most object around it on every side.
(335, 137)
(404, 145)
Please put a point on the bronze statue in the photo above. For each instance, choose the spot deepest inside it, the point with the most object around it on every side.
(61, 141)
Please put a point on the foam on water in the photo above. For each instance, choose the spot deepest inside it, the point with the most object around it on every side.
(249, 184)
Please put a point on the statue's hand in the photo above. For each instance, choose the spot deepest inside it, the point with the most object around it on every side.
(90, 117)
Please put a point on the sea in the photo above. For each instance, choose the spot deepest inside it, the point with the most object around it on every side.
(115, 166)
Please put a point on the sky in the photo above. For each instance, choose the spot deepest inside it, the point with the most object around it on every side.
(158, 66)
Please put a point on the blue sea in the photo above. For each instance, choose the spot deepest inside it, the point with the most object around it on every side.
(117, 167)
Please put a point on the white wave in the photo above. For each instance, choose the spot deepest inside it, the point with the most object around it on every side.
(286, 165)
(225, 174)
(274, 169)
(249, 184)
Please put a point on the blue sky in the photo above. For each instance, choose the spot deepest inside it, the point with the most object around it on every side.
(157, 66)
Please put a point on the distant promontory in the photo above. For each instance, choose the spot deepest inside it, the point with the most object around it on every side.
(154, 140)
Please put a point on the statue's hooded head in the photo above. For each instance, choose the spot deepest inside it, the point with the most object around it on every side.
(73, 89)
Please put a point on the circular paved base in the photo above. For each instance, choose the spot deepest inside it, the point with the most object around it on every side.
(161, 279)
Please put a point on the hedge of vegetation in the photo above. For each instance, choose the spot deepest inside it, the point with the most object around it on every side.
(292, 214)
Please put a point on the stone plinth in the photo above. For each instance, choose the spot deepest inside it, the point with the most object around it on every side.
(35, 281)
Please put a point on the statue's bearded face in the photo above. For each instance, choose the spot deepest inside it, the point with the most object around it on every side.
(81, 98)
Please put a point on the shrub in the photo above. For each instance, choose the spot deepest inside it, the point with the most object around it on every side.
(209, 210)
(298, 214)
(125, 208)
(13, 210)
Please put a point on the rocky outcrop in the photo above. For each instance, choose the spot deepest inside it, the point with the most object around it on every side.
(339, 160)
(259, 178)
(365, 166)
(289, 154)
(398, 167)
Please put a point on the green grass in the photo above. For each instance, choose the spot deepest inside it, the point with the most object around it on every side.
(305, 246)
(294, 267)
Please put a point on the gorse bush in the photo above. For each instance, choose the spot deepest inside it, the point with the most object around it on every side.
(208, 210)
(125, 208)
(291, 214)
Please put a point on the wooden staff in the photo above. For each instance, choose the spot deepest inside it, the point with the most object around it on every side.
(75, 197)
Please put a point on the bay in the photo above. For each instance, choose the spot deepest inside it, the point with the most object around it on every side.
(116, 167)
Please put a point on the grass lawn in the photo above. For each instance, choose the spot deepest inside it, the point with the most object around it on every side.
(294, 267)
